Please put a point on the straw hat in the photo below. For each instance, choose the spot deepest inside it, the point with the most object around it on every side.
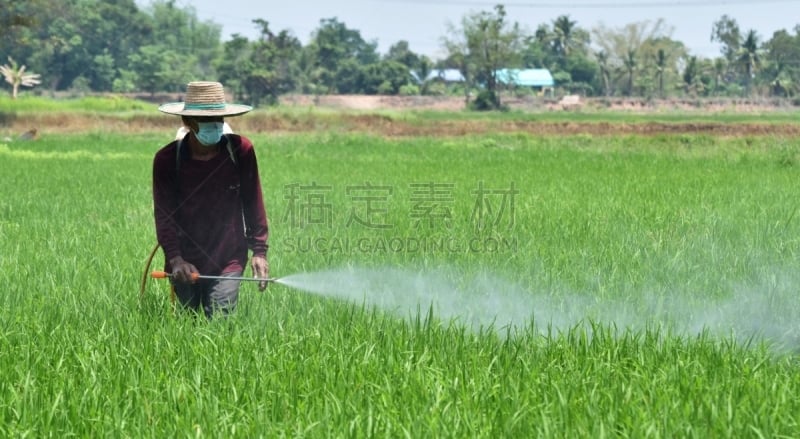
(204, 98)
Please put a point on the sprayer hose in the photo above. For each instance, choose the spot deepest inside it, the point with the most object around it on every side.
(146, 273)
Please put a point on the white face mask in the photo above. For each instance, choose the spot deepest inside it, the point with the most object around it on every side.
(209, 133)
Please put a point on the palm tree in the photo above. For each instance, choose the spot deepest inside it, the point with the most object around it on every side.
(661, 65)
(602, 62)
(564, 35)
(17, 77)
(719, 73)
(629, 64)
(749, 58)
(690, 76)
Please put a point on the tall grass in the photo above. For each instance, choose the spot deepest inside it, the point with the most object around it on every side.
(103, 104)
(664, 229)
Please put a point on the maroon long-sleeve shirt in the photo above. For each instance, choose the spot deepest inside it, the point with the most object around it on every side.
(213, 211)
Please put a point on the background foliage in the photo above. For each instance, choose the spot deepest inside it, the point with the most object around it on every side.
(105, 46)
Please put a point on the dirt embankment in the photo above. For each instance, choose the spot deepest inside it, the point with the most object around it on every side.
(368, 114)
(385, 126)
(541, 103)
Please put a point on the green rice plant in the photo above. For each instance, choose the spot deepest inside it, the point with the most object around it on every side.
(659, 273)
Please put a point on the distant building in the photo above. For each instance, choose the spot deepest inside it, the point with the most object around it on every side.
(537, 78)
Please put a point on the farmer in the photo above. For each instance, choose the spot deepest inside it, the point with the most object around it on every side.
(208, 205)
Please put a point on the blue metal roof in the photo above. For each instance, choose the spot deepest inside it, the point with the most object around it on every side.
(526, 77)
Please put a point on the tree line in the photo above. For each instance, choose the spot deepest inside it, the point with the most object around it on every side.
(116, 46)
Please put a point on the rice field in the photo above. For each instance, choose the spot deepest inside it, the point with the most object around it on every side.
(498, 285)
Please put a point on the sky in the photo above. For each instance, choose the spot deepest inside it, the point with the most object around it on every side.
(423, 23)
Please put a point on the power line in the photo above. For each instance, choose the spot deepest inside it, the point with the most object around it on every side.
(585, 5)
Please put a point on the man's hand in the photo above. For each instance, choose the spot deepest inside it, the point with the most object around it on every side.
(260, 268)
(181, 270)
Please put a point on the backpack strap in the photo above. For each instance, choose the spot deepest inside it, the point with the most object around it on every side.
(178, 157)
(231, 153)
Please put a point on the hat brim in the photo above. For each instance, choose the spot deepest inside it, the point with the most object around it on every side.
(177, 108)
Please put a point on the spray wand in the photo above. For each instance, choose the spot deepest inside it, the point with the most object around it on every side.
(196, 276)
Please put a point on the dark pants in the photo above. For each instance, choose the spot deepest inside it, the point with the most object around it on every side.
(212, 295)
